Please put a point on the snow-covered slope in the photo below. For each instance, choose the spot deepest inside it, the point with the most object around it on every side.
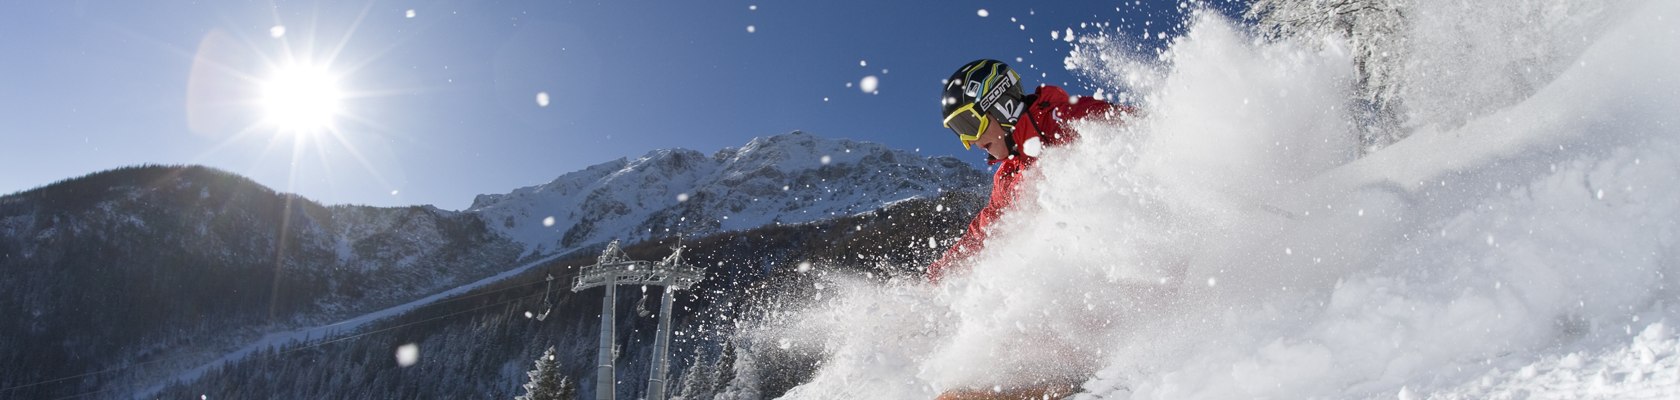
(1227, 245)
(790, 178)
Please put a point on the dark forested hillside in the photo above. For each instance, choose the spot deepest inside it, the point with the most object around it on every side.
(480, 344)
(146, 266)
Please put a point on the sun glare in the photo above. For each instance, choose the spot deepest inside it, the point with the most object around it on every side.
(301, 98)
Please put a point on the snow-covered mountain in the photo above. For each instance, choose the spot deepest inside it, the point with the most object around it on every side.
(785, 179)
(161, 263)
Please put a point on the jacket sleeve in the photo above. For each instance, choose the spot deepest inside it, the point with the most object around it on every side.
(971, 242)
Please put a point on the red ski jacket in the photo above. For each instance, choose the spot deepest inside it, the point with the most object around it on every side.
(1043, 121)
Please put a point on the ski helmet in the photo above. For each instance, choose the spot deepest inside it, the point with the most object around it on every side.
(978, 94)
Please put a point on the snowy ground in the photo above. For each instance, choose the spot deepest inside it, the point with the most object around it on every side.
(1229, 245)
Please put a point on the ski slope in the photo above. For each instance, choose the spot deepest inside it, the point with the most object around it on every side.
(1230, 244)
(279, 340)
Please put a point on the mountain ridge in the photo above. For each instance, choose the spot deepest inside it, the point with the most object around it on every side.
(194, 259)
(790, 178)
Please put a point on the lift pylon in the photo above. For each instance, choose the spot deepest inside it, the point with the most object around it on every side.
(614, 268)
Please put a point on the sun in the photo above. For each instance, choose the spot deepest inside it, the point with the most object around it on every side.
(301, 98)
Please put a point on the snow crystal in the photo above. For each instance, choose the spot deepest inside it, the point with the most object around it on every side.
(863, 63)
(753, 7)
(549, 221)
(542, 99)
(751, 29)
(409, 14)
(826, 159)
(869, 83)
(983, 13)
(682, 197)
(277, 31)
(408, 354)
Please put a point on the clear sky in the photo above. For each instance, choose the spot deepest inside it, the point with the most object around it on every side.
(442, 100)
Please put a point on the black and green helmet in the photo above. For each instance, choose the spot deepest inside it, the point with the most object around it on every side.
(979, 93)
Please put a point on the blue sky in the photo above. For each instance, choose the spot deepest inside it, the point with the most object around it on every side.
(442, 105)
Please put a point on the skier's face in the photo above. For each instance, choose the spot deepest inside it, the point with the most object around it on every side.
(992, 141)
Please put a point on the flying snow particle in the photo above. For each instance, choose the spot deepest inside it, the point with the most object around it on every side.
(869, 83)
(932, 244)
(410, 13)
(1213, 281)
(1406, 393)
(751, 29)
(277, 31)
(863, 63)
(542, 99)
(1288, 251)
(1054, 35)
(784, 344)
(527, 315)
(682, 197)
(1032, 147)
(408, 354)
(983, 13)
(1068, 36)
(804, 266)
(393, 192)
(548, 221)
(753, 7)
(826, 159)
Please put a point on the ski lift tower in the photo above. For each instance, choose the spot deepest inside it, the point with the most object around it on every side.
(615, 268)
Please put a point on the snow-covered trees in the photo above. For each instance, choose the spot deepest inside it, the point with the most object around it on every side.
(546, 381)
(1375, 31)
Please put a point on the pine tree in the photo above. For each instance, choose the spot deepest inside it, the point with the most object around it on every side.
(699, 381)
(1374, 30)
(546, 381)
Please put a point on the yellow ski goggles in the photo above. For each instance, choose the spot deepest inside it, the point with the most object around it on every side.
(968, 124)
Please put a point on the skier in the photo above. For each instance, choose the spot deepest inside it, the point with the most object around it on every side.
(983, 104)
